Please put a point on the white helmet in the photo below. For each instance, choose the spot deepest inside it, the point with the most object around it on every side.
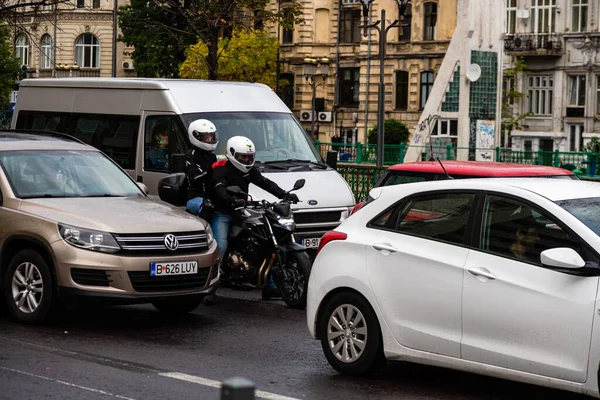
(240, 151)
(203, 134)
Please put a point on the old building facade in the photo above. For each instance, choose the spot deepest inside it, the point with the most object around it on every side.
(559, 41)
(346, 100)
(71, 39)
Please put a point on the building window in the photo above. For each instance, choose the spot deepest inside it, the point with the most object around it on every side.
(576, 138)
(577, 90)
(258, 21)
(540, 95)
(288, 33)
(96, 4)
(508, 86)
(22, 48)
(543, 16)
(46, 59)
(426, 86)
(80, 3)
(511, 16)
(401, 90)
(287, 91)
(580, 13)
(87, 51)
(430, 22)
(406, 31)
(598, 95)
(349, 86)
(350, 26)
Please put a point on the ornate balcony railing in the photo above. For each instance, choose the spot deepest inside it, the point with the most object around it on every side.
(542, 44)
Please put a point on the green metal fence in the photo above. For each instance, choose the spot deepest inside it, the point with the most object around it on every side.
(360, 178)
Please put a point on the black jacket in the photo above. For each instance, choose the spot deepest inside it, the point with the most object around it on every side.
(198, 170)
(229, 175)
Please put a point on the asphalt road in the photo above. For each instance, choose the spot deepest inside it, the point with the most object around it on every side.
(134, 352)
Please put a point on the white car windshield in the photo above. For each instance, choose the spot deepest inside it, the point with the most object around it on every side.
(62, 173)
(585, 210)
(277, 136)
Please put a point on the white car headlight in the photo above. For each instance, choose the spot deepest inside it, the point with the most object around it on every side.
(287, 223)
(210, 237)
(89, 239)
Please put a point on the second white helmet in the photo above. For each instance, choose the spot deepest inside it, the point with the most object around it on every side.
(203, 134)
(241, 151)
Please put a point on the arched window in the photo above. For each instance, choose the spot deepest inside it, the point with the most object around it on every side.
(87, 51)
(46, 55)
(22, 48)
(426, 86)
(430, 23)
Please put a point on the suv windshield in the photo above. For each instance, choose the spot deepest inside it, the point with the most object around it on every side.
(277, 136)
(60, 173)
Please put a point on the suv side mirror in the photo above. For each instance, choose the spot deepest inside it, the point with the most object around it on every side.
(177, 163)
(332, 157)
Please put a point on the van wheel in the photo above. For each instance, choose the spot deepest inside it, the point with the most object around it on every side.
(179, 304)
(350, 335)
(29, 287)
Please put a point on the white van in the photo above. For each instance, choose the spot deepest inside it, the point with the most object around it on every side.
(120, 116)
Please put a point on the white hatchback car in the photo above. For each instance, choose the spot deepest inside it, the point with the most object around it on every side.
(493, 276)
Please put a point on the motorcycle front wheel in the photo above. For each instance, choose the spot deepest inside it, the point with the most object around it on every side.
(292, 281)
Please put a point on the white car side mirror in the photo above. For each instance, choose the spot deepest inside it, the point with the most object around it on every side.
(562, 257)
(143, 187)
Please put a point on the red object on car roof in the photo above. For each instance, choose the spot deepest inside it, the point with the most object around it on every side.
(480, 168)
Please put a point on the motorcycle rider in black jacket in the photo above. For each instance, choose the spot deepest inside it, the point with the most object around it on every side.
(198, 166)
(239, 171)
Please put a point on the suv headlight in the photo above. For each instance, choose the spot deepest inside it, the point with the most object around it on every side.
(210, 237)
(89, 239)
(287, 223)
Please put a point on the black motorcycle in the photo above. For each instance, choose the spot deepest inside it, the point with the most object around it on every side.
(261, 241)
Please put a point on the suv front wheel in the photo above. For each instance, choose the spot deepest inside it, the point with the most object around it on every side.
(28, 287)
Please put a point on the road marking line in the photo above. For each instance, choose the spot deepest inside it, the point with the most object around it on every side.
(67, 383)
(217, 384)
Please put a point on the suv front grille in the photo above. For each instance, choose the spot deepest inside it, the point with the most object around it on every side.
(317, 217)
(90, 277)
(154, 243)
(143, 282)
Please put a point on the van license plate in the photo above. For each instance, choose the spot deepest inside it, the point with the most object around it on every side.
(173, 268)
(311, 242)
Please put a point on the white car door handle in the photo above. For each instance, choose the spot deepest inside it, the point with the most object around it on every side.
(385, 247)
(482, 272)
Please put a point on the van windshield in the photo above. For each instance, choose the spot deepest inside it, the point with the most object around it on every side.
(65, 173)
(277, 136)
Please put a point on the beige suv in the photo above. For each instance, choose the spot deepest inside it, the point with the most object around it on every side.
(73, 223)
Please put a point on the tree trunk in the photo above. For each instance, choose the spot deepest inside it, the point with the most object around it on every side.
(212, 59)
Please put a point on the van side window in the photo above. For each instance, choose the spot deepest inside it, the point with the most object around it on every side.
(163, 136)
(44, 121)
(115, 135)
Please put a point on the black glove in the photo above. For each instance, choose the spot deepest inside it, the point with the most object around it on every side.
(238, 203)
(292, 198)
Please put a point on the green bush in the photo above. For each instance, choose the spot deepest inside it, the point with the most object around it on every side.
(395, 132)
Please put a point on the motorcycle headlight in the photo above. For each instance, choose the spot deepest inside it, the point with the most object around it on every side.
(210, 237)
(287, 223)
(89, 239)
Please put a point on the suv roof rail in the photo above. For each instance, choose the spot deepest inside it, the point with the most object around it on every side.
(45, 133)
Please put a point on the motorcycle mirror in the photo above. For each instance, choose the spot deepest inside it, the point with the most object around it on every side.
(299, 184)
(233, 190)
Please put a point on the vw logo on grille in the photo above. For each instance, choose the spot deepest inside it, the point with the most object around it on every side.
(171, 242)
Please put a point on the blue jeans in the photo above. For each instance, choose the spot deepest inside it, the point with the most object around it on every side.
(220, 225)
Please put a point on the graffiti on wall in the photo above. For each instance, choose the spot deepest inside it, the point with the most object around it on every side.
(424, 129)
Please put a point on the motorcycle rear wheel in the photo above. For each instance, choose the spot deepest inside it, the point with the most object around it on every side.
(292, 281)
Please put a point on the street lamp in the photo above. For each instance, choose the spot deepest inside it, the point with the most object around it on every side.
(383, 30)
(309, 69)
